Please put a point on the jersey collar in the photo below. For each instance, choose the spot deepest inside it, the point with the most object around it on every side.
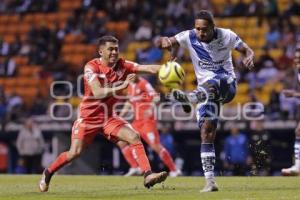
(113, 67)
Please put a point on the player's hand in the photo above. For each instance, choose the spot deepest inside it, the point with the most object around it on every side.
(164, 43)
(288, 93)
(129, 78)
(173, 58)
(249, 61)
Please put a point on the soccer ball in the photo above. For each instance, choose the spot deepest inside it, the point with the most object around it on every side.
(171, 74)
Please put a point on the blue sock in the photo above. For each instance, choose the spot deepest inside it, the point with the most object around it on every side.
(208, 159)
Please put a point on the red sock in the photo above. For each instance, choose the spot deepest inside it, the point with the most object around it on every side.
(167, 159)
(140, 156)
(60, 161)
(127, 153)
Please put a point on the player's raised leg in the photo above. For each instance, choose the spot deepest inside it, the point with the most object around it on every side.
(295, 169)
(127, 134)
(186, 99)
(128, 155)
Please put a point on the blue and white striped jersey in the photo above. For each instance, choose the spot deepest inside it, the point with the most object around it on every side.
(213, 58)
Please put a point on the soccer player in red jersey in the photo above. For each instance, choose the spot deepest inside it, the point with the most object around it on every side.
(142, 98)
(104, 78)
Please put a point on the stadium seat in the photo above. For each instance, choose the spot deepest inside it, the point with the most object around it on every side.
(134, 46)
(20, 60)
(72, 38)
(243, 88)
(275, 53)
(27, 82)
(10, 82)
(67, 49)
(69, 5)
(4, 19)
(29, 71)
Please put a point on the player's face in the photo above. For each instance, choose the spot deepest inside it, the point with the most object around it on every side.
(204, 30)
(109, 52)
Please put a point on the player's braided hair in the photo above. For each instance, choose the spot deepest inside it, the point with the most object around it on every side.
(206, 15)
(107, 38)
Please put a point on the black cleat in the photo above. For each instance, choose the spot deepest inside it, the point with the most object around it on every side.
(181, 97)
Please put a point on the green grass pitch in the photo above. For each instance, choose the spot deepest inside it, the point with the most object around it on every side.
(131, 188)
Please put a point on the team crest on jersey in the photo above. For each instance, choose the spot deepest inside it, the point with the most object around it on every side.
(137, 91)
(120, 72)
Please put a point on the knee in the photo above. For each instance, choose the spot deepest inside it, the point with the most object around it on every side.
(122, 144)
(134, 138)
(156, 148)
(212, 90)
(74, 153)
(208, 130)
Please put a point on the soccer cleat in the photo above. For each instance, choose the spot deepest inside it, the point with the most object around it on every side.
(181, 97)
(134, 172)
(45, 181)
(175, 173)
(292, 171)
(154, 178)
(210, 186)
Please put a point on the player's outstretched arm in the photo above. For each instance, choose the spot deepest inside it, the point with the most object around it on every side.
(152, 69)
(248, 60)
(100, 92)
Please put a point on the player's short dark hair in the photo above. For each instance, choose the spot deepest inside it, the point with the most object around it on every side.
(107, 38)
(206, 15)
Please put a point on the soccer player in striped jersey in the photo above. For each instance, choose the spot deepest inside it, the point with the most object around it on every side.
(210, 51)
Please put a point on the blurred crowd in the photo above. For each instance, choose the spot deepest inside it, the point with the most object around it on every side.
(147, 19)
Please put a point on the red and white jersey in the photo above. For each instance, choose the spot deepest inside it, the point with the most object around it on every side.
(97, 110)
(141, 95)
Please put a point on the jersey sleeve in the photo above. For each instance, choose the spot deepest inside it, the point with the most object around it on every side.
(235, 40)
(131, 67)
(90, 72)
(182, 38)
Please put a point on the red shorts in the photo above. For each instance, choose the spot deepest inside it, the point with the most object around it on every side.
(87, 131)
(147, 130)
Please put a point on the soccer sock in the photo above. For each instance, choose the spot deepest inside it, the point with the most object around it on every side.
(167, 159)
(60, 161)
(297, 153)
(140, 156)
(127, 153)
(208, 159)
